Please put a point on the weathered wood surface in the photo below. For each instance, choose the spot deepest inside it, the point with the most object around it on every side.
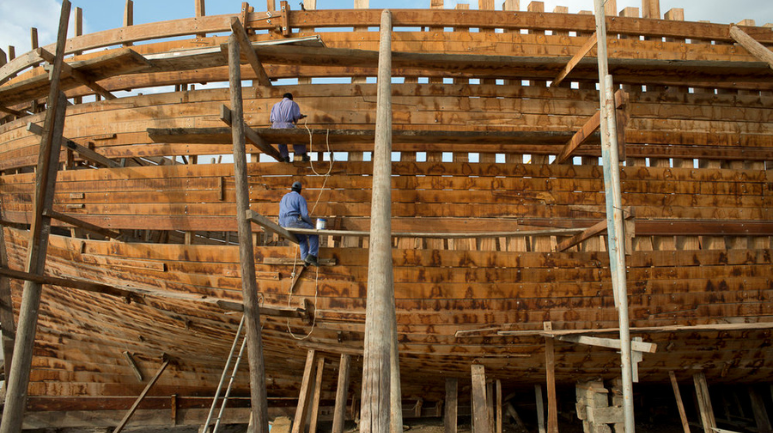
(697, 179)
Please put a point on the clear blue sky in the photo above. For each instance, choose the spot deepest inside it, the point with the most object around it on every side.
(17, 16)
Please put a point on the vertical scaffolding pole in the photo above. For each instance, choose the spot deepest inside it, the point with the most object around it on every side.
(246, 252)
(609, 152)
(380, 321)
(48, 166)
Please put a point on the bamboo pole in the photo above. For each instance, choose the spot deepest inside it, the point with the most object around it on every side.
(246, 253)
(609, 152)
(380, 315)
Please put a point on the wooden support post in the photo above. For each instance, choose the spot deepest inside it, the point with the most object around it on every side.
(128, 17)
(299, 423)
(540, 409)
(490, 406)
(451, 405)
(249, 52)
(34, 38)
(758, 409)
(499, 406)
(317, 393)
(380, 321)
(136, 404)
(7, 323)
(480, 422)
(339, 413)
(550, 371)
(704, 402)
(590, 126)
(200, 12)
(246, 252)
(269, 225)
(650, 9)
(48, 166)
(679, 402)
(755, 48)
(252, 136)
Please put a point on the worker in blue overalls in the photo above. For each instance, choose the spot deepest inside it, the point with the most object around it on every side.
(294, 213)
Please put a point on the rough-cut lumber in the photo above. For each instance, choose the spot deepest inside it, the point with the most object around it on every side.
(269, 225)
(81, 224)
(480, 414)
(141, 397)
(304, 398)
(249, 53)
(246, 254)
(704, 402)
(608, 342)
(80, 77)
(254, 138)
(18, 378)
(590, 127)
(342, 391)
(586, 47)
(84, 152)
(752, 46)
(451, 405)
(679, 402)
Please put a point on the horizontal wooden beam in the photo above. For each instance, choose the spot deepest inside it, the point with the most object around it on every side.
(642, 329)
(81, 224)
(249, 134)
(79, 76)
(611, 343)
(138, 295)
(590, 127)
(469, 235)
(582, 52)
(339, 136)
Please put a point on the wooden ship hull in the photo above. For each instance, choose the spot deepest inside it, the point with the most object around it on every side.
(143, 257)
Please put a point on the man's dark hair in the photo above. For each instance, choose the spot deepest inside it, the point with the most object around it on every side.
(288, 96)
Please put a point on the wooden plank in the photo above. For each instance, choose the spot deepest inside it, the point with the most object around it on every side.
(704, 402)
(17, 380)
(250, 134)
(550, 371)
(608, 342)
(760, 413)
(451, 405)
(342, 390)
(136, 404)
(752, 46)
(82, 224)
(540, 409)
(132, 364)
(269, 225)
(499, 406)
(679, 403)
(317, 393)
(586, 47)
(590, 127)
(249, 53)
(79, 76)
(84, 152)
(479, 410)
(304, 396)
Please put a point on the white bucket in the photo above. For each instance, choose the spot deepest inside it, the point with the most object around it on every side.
(321, 223)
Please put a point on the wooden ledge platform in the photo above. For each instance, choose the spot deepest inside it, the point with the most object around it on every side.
(300, 135)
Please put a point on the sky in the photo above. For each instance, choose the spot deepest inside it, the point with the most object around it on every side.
(18, 16)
